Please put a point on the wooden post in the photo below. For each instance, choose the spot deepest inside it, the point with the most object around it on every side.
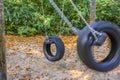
(3, 74)
(92, 10)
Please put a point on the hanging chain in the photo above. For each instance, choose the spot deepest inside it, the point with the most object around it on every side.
(43, 12)
(94, 32)
(61, 21)
(74, 29)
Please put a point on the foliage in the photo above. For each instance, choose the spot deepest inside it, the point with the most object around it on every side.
(31, 17)
(108, 10)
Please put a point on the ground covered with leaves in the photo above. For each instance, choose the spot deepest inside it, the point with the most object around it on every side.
(26, 61)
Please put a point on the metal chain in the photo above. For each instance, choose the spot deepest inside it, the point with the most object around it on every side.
(43, 12)
(74, 29)
(61, 21)
(94, 32)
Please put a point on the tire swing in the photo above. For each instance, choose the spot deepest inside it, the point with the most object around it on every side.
(93, 34)
(86, 41)
(57, 41)
(96, 34)
(59, 48)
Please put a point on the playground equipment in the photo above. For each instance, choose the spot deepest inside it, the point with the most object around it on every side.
(93, 34)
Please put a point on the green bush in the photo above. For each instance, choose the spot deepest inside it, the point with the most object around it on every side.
(31, 17)
(108, 10)
(25, 30)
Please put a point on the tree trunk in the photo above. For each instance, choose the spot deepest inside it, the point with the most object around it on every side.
(92, 10)
(3, 75)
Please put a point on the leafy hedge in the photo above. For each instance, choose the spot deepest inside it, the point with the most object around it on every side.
(31, 17)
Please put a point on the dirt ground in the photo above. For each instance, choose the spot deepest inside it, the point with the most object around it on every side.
(26, 61)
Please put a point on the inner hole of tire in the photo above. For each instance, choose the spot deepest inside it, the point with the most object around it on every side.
(53, 49)
(101, 52)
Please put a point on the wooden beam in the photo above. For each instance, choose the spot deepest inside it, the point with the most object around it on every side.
(3, 74)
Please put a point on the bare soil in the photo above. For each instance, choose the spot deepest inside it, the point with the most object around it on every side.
(26, 61)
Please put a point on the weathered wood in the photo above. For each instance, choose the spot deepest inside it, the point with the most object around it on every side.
(3, 74)
(92, 10)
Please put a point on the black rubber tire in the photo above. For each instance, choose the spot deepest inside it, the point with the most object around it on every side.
(85, 42)
(59, 46)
